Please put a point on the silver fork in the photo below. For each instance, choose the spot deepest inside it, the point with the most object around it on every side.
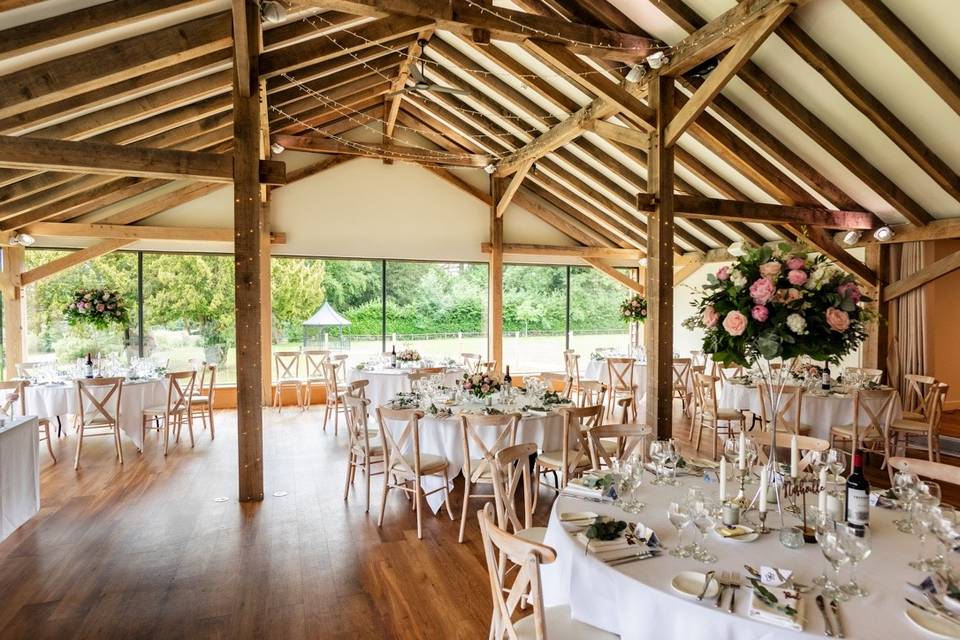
(723, 579)
(735, 581)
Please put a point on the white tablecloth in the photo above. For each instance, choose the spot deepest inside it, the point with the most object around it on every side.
(387, 383)
(52, 400)
(636, 600)
(444, 437)
(19, 473)
(820, 412)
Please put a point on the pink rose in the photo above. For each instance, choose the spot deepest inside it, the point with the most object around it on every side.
(797, 277)
(760, 313)
(735, 323)
(792, 295)
(796, 263)
(838, 319)
(100, 308)
(770, 269)
(710, 316)
(723, 273)
(762, 290)
(850, 290)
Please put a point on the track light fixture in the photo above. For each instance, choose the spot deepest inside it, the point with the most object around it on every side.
(490, 168)
(636, 72)
(277, 148)
(657, 59)
(851, 237)
(883, 234)
(273, 12)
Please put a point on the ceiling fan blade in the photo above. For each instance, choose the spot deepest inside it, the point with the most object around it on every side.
(459, 92)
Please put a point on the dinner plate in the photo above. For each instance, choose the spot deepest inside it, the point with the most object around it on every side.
(934, 625)
(690, 584)
(749, 534)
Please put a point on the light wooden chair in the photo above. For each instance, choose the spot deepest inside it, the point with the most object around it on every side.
(14, 403)
(366, 448)
(682, 382)
(477, 431)
(501, 548)
(709, 415)
(431, 371)
(314, 360)
(288, 376)
(488, 367)
(99, 412)
(937, 471)
(405, 464)
(724, 373)
(920, 391)
(871, 375)
(571, 362)
(808, 446)
(334, 401)
(873, 436)
(175, 411)
(510, 472)
(620, 373)
(789, 417)
(358, 389)
(471, 361)
(698, 358)
(558, 382)
(609, 441)
(417, 376)
(201, 402)
(594, 392)
(574, 458)
(929, 427)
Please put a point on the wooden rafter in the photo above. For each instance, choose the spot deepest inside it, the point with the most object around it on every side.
(511, 188)
(719, 209)
(613, 274)
(316, 143)
(624, 135)
(136, 232)
(558, 251)
(71, 260)
(936, 230)
(400, 82)
(928, 274)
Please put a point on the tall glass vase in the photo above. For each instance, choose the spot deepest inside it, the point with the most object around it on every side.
(773, 382)
(635, 347)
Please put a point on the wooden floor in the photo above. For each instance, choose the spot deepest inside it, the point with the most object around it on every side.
(142, 550)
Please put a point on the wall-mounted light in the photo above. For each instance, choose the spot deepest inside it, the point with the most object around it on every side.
(277, 148)
(657, 59)
(273, 12)
(851, 237)
(490, 168)
(883, 234)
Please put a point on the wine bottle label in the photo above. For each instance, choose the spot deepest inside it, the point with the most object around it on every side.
(858, 507)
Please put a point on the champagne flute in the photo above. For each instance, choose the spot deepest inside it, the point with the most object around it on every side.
(704, 519)
(857, 543)
(905, 489)
(658, 453)
(679, 516)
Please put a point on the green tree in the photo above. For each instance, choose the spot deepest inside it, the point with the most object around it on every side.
(297, 292)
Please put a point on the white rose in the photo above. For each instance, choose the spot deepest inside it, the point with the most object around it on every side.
(738, 279)
(797, 324)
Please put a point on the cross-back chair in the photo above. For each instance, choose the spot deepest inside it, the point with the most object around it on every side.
(682, 382)
(288, 376)
(471, 361)
(867, 374)
(807, 445)
(571, 361)
(874, 407)
(620, 374)
(928, 427)
(609, 441)
(574, 457)
(27, 369)
(558, 382)
(937, 471)
(510, 474)
(313, 361)
(709, 415)
(789, 415)
(335, 393)
(365, 450)
(404, 462)
(201, 402)
(920, 391)
(174, 412)
(99, 412)
(483, 436)
(358, 388)
(14, 403)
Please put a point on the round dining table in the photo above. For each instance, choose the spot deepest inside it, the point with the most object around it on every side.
(385, 384)
(50, 400)
(820, 411)
(636, 600)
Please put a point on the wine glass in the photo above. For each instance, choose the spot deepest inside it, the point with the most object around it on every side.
(659, 453)
(924, 503)
(679, 515)
(704, 519)
(836, 461)
(670, 460)
(857, 544)
(834, 552)
(905, 489)
(944, 527)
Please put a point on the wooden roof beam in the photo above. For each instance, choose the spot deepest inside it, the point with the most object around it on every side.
(613, 274)
(720, 209)
(928, 274)
(137, 232)
(316, 143)
(937, 230)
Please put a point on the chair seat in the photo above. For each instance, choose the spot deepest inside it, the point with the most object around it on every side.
(577, 385)
(560, 626)
(429, 465)
(99, 422)
(913, 415)
(846, 431)
(913, 426)
(476, 463)
(199, 400)
(375, 450)
(315, 379)
(533, 534)
(724, 414)
(159, 411)
(554, 459)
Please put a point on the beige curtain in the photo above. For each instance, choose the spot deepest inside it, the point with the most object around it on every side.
(907, 318)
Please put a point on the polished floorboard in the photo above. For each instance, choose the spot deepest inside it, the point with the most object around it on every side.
(143, 550)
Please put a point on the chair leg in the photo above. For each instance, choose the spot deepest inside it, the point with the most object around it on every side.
(466, 503)
(59, 428)
(76, 460)
(189, 427)
(326, 414)
(350, 465)
(446, 494)
(210, 414)
(166, 437)
(46, 428)
(116, 435)
(336, 416)
(366, 472)
(417, 504)
(383, 496)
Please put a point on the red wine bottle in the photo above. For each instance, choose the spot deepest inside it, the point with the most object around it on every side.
(858, 495)
(507, 380)
(89, 366)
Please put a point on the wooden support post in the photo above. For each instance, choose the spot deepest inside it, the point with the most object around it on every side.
(266, 297)
(495, 306)
(874, 354)
(13, 336)
(659, 281)
(248, 227)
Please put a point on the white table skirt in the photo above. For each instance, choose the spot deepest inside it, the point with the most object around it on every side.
(387, 383)
(636, 601)
(820, 412)
(444, 437)
(50, 401)
(19, 473)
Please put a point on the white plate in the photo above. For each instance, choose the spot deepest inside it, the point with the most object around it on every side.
(934, 625)
(747, 537)
(690, 583)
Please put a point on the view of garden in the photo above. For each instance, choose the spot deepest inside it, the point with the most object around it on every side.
(438, 308)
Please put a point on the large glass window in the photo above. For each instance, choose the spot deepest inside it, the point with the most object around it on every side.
(439, 309)
(595, 321)
(353, 289)
(534, 317)
(188, 305)
(49, 337)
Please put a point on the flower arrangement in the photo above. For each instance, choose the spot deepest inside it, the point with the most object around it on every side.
(408, 355)
(780, 302)
(634, 309)
(98, 307)
(479, 384)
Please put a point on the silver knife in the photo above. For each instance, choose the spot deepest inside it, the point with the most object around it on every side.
(835, 608)
(828, 627)
(932, 611)
(634, 558)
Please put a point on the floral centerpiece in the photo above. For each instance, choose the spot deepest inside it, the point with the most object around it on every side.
(409, 355)
(634, 309)
(97, 307)
(480, 385)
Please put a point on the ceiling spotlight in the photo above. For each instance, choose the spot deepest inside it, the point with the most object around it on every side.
(883, 234)
(738, 248)
(643, 263)
(657, 59)
(490, 168)
(22, 239)
(273, 12)
(635, 73)
(851, 238)
(277, 148)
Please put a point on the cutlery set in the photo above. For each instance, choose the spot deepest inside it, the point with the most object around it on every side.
(728, 580)
(833, 625)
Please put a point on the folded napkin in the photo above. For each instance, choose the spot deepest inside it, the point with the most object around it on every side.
(630, 543)
(775, 613)
(732, 532)
(588, 486)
